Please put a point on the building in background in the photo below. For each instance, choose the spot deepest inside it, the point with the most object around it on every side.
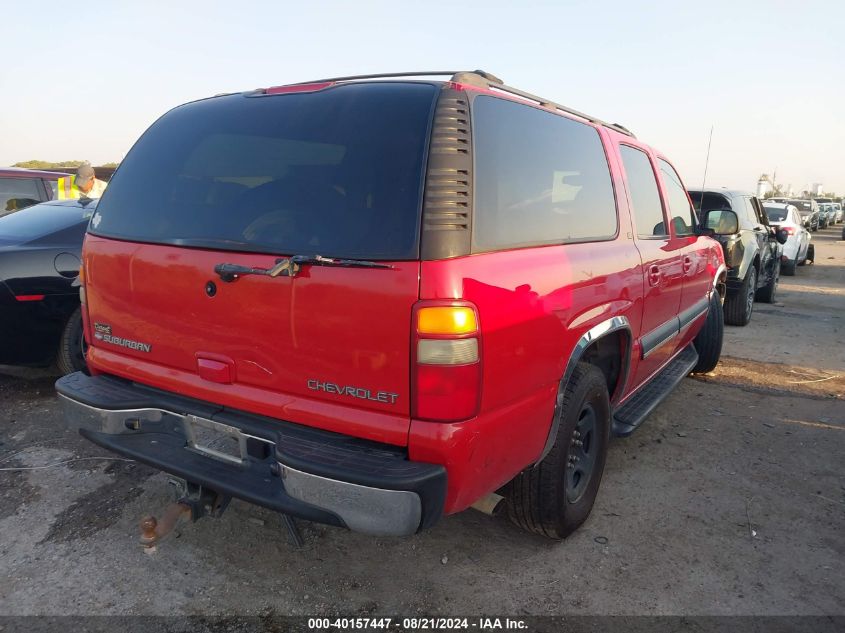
(764, 186)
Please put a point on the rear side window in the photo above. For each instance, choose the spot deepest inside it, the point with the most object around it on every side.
(336, 172)
(751, 212)
(540, 178)
(680, 209)
(645, 196)
(18, 193)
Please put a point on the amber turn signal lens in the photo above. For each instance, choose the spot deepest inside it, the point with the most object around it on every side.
(446, 320)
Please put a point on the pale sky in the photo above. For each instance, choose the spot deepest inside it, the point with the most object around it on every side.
(82, 80)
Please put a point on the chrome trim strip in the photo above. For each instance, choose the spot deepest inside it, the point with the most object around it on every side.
(613, 324)
(112, 421)
(604, 328)
(721, 269)
(363, 509)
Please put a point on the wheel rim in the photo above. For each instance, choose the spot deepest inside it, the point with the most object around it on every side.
(583, 449)
(752, 288)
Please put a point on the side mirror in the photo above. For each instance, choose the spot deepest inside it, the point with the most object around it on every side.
(781, 236)
(721, 221)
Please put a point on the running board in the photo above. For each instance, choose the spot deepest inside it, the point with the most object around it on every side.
(634, 412)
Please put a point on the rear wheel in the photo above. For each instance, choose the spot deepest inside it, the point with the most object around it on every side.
(740, 305)
(71, 353)
(555, 497)
(811, 254)
(708, 342)
(788, 267)
(767, 293)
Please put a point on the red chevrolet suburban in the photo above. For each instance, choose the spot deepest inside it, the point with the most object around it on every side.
(374, 301)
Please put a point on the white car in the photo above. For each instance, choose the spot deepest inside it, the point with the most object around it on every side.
(797, 249)
(838, 208)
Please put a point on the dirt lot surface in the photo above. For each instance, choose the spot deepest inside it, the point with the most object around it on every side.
(729, 500)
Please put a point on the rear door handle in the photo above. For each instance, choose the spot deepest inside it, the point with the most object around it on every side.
(654, 275)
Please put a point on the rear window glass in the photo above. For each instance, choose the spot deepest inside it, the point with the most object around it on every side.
(776, 214)
(540, 178)
(711, 201)
(335, 173)
(804, 206)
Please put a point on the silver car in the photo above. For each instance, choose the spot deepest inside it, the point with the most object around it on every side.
(837, 207)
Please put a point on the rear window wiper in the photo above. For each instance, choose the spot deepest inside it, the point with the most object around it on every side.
(289, 266)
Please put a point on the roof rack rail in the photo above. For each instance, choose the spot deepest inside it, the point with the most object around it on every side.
(491, 81)
(483, 79)
(379, 76)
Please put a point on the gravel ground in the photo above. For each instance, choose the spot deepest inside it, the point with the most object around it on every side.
(729, 500)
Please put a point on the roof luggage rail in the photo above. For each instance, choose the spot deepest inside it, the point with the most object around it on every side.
(379, 76)
(486, 80)
(482, 79)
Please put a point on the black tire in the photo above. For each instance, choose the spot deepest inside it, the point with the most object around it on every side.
(71, 353)
(768, 293)
(554, 498)
(740, 305)
(788, 268)
(708, 342)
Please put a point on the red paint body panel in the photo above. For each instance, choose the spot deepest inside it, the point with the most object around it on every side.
(347, 327)
(337, 417)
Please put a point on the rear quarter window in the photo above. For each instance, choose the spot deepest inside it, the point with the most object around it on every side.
(540, 178)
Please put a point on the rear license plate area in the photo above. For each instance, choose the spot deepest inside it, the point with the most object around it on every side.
(216, 440)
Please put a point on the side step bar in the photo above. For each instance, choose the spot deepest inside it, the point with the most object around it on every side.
(630, 415)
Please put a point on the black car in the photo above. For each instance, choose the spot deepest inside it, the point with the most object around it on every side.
(752, 248)
(40, 319)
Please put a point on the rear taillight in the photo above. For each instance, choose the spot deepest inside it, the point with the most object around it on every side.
(447, 361)
(29, 297)
(789, 230)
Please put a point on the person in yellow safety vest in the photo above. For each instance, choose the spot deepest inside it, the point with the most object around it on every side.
(83, 185)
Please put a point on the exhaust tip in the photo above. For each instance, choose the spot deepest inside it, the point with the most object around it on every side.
(490, 504)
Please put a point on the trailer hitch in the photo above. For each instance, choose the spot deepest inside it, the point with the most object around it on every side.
(193, 502)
